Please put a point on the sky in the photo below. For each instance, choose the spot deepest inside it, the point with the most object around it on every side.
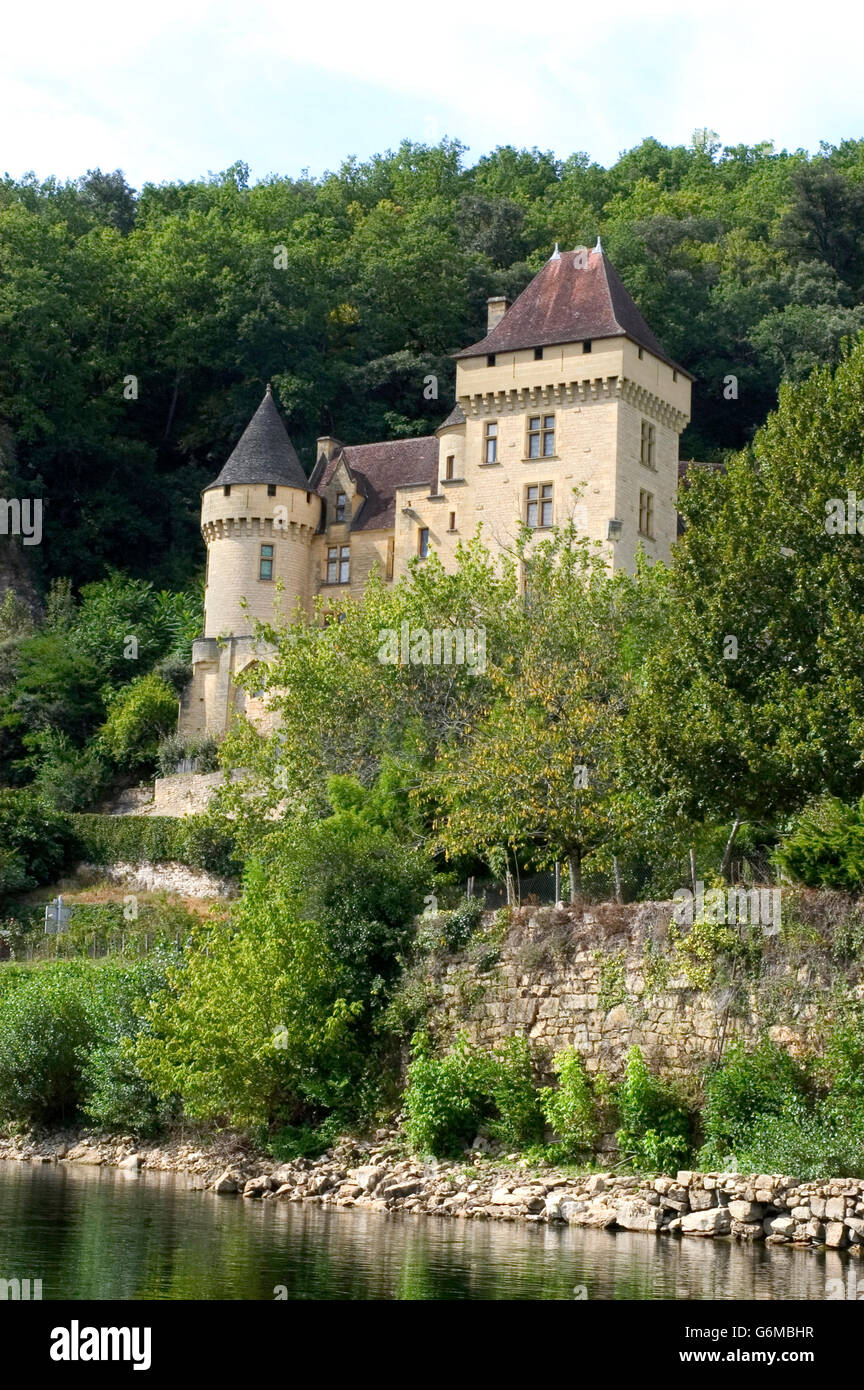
(176, 90)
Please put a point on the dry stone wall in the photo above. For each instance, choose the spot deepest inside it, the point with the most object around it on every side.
(611, 979)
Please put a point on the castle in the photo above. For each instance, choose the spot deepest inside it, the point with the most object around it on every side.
(569, 389)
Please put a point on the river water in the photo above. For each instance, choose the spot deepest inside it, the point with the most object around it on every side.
(91, 1233)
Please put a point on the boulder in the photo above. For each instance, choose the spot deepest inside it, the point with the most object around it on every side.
(780, 1226)
(132, 1163)
(225, 1184)
(835, 1209)
(634, 1214)
(716, 1222)
(746, 1212)
(367, 1177)
(835, 1235)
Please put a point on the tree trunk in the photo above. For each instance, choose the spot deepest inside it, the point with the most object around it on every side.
(617, 873)
(574, 864)
(727, 853)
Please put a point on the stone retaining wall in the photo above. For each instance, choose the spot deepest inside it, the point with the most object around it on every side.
(609, 980)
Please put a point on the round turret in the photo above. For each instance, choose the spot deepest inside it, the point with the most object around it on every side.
(258, 519)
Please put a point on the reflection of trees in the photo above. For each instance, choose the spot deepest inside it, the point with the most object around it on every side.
(93, 1234)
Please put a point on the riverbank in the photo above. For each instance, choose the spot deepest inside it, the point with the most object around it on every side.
(375, 1175)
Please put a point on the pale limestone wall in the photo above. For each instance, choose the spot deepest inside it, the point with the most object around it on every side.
(213, 697)
(566, 993)
(368, 552)
(599, 400)
(234, 529)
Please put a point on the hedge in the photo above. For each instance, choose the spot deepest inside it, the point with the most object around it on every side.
(190, 840)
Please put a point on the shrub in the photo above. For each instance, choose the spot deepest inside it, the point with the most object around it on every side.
(116, 1094)
(138, 717)
(35, 840)
(519, 1122)
(655, 1125)
(47, 1025)
(63, 1028)
(174, 749)
(570, 1108)
(192, 840)
(447, 1098)
(807, 1142)
(70, 778)
(748, 1085)
(824, 846)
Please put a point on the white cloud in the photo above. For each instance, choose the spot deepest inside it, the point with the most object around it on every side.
(176, 87)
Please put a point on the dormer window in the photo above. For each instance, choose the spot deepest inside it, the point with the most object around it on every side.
(341, 504)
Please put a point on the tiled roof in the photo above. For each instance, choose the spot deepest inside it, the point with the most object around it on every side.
(456, 417)
(378, 469)
(263, 453)
(567, 304)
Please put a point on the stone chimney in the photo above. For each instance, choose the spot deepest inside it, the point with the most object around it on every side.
(327, 445)
(496, 308)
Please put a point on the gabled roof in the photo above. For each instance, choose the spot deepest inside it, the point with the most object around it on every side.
(565, 303)
(377, 470)
(263, 453)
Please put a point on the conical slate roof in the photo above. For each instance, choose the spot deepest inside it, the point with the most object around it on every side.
(456, 417)
(263, 453)
(568, 302)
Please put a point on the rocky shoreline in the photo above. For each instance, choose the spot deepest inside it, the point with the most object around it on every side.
(374, 1175)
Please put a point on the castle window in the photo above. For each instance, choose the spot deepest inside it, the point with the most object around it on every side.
(538, 505)
(423, 542)
(674, 376)
(490, 359)
(646, 514)
(641, 354)
(490, 454)
(391, 547)
(227, 490)
(271, 489)
(452, 526)
(265, 563)
(338, 564)
(646, 447)
(587, 345)
(341, 503)
(538, 354)
(541, 436)
(450, 466)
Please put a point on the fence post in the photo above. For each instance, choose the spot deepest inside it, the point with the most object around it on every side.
(557, 882)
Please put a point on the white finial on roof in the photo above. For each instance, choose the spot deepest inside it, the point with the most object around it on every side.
(598, 247)
(556, 254)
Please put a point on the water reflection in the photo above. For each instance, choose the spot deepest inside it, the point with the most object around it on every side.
(102, 1234)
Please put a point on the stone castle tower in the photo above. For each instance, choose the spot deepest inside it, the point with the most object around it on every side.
(258, 519)
(569, 407)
